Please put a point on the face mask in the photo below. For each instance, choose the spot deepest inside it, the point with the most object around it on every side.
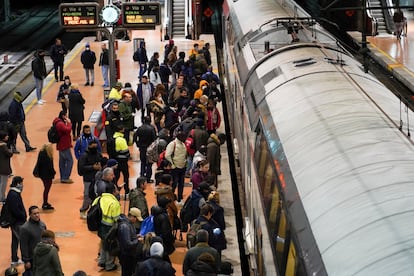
(116, 112)
(20, 186)
(87, 134)
(87, 48)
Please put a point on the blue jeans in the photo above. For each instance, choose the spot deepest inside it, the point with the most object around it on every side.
(65, 163)
(39, 87)
(105, 74)
(142, 70)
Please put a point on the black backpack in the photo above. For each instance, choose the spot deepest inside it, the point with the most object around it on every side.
(111, 242)
(52, 134)
(136, 55)
(94, 216)
(186, 214)
(6, 217)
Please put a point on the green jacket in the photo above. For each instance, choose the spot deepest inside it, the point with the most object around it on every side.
(46, 260)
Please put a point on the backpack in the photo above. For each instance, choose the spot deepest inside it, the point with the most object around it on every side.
(53, 135)
(192, 233)
(162, 155)
(94, 216)
(186, 214)
(152, 152)
(111, 242)
(6, 217)
(91, 190)
(136, 55)
(176, 68)
(147, 225)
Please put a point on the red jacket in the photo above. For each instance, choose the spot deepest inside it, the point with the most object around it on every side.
(63, 130)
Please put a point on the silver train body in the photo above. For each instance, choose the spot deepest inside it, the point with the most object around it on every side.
(327, 175)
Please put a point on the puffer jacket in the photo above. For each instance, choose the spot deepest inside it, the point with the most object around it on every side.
(46, 260)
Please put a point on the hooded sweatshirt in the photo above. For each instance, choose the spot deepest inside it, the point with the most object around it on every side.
(199, 92)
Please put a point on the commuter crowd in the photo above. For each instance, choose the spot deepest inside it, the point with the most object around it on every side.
(176, 101)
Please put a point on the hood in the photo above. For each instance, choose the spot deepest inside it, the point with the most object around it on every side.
(199, 266)
(156, 210)
(203, 83)
(4, 116)
(42, 249)
(75, 91)
(213, 138)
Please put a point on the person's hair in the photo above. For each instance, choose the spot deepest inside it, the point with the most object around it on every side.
(181, 55)
(214, 196)
(61, 114)
(31, 208)
(48, 148)
(202, 163)
(125, 94)
(107, 171)
(147, 119)
(159, 88)
(147, 242)
(205, 209)
(74, 86)
(3, 134)
(48, 234)
(85, 127)
(165, 178)
(202, 235)
(140, 181)
(80, 273)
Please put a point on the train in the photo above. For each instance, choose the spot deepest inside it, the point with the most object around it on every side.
(324, 150)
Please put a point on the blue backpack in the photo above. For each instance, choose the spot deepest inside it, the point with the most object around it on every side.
(147, 225)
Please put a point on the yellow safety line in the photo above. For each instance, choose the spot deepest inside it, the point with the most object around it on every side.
(396, 64)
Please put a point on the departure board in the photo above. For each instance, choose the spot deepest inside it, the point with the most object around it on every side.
(79, 15)
(141, 14)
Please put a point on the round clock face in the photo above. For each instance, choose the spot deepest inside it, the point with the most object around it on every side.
(110, 14)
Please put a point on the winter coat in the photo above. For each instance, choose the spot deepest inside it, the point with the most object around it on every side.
(199, 268)
(85, 165)
(137, 199)
(88, 59)
(194, 252)
(162, 267)
(63, 131)
(82, 143)
(5, 156)
(104, 58)
(213, 154)
(216, 241)
(127, 237)
(39, 66)
(46, 260)
(218, 214)
(76, 106)
(176, 153)
(45, 166)
(125, 109)
(145, 135)
(15, 202)
(16, 112)
(162, 228)
(7, 126)
(57, 53)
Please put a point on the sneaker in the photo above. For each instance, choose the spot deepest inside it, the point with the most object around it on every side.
(180, 203)
(40, 102)
(30, 149)
(83, 216)
(66, 181)
(91, 83)
(19, 262)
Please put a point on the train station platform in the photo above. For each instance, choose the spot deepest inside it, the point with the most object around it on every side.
(78, 246)
(397, 56)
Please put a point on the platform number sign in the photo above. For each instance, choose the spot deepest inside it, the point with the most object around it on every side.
(141, 14)
(79, 15)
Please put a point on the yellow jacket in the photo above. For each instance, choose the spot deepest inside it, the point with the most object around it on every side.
(121, 146)
(115, 94)
(111, 208)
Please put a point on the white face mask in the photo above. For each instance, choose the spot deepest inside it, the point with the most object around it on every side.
(20, 186)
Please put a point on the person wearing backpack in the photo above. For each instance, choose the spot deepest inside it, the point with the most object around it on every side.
(162, 225)
(64, 127)
(137, 197)
(155, 265)
(111, 210)
(128, 241)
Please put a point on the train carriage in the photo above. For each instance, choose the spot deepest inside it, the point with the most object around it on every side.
(327, 172)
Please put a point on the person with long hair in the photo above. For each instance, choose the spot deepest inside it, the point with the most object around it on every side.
(46, 172)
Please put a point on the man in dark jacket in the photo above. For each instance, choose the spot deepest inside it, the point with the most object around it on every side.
(39, 73)
(88, 59)
(64, 127)
(128, 241)
(57, 53)
(17, 118)
(18, 212)
(155, 263)
(162, 226)
(213, 154)
(5, 167)
(30, 236)
(113, 120)
(88, 165)
(137, 197)
(143, 137)
(141, 56)
(104, 64)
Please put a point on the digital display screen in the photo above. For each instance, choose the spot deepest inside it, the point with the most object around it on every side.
(79, 15)
(136, 14)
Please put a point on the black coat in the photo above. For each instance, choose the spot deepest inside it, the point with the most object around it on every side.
(85, 165)
(145, 135)
(162, 228)
(16, 206)
(216, 241)
(39, 66)
(76, 106)
(104, 58)
(45, 166)
(162, 267)
(5, 155)
(88, 59)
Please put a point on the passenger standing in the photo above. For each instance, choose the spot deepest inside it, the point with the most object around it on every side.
(168, 48)
(17, 118)
(64, 127)
(30, 236)
(137, 197)
(18, 213)
(145, 92)
(115, 93)
(104, 63)
(176, 154)
(155, 263)
(89, 163)
(88, 59)
(111, 210)
(162, 226)
(207, 54)
(142, 58)
(213, 154)
(83, 141)
(46, 172)
(5, 167)
(157, 107)
(122, 156)
(165, 73)
(113, 120)
(128, 241)
(63, 94)
(39, 73)
(398, 19)
(143, 137)
(125, 110)
(45, 257)
(57, 53)
(76, 108)
(8, 128)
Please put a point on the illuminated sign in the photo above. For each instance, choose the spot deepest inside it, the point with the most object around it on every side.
(141, 14)
(75, 15)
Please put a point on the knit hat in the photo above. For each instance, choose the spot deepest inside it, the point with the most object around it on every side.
(111, 163)
(136, 213)
(18, 96)
(156, 249)
(87, 44)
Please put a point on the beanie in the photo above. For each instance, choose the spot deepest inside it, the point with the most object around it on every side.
(156, 249)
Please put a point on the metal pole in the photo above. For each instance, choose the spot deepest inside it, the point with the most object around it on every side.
(364, 35)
